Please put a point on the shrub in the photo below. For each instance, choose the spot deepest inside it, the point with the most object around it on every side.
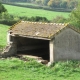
(35, 19)
(59, 19)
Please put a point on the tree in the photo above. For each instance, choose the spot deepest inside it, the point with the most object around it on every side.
(50, 3)
(45, 2)
(38, 2)
(63, 4)
(54, 3)
(2, 8)
(72, 4)
(75, 16)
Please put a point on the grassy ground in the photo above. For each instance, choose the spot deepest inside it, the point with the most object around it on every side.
(3, 34)
(15, 69)
(21, 11)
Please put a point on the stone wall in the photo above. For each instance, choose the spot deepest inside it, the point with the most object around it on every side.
(9, 50)
(67, 45)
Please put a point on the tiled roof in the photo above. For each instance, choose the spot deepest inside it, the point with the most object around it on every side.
(37, 29)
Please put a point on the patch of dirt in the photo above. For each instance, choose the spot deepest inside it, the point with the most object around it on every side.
(38, 59)
(25, 58)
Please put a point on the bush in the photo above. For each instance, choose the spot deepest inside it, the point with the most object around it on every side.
(8, 22)
(35, 19)
(59, 19)
(2, 8)
(8, 19)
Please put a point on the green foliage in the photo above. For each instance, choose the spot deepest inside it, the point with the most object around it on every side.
(68, 4)
(3, 35)
(15, 69)
(63, 4)
(75, 16)
(35, 19)
(45, 2)
(6, 18)
(2, 8)
(67, 68)
(59, 19)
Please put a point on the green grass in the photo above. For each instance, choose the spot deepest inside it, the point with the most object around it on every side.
(3, 34)
(21, 11)
(15, 69)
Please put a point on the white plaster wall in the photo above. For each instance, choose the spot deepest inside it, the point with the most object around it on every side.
(67, 45)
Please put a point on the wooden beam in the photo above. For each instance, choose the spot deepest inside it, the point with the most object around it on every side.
(8, 38)
(51, 51)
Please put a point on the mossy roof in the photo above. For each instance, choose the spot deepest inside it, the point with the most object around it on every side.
(37, 29)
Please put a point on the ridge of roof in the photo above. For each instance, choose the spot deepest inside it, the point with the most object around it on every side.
(43, 23)
(58, 31)
(36, 23)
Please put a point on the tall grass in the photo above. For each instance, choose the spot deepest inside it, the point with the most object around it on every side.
(3, 34)
(21, 11)
(15, 69)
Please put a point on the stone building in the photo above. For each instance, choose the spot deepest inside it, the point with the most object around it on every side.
(52, 41)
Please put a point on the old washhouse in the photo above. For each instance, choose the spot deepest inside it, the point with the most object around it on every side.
(51, 41)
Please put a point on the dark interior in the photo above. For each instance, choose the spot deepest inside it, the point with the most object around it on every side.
(34, 47)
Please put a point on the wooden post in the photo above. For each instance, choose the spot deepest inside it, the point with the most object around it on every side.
(8, 38)
(51, 52)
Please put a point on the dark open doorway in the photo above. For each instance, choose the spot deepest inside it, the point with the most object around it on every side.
(34, 47)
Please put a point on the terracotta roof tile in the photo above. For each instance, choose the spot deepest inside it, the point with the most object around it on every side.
(37, 29)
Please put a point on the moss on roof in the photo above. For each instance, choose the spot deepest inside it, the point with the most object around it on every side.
(37, 29)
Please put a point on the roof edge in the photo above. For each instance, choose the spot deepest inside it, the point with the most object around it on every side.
(43, 38)
(14, 25)
(74, 28)
(59, 31)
